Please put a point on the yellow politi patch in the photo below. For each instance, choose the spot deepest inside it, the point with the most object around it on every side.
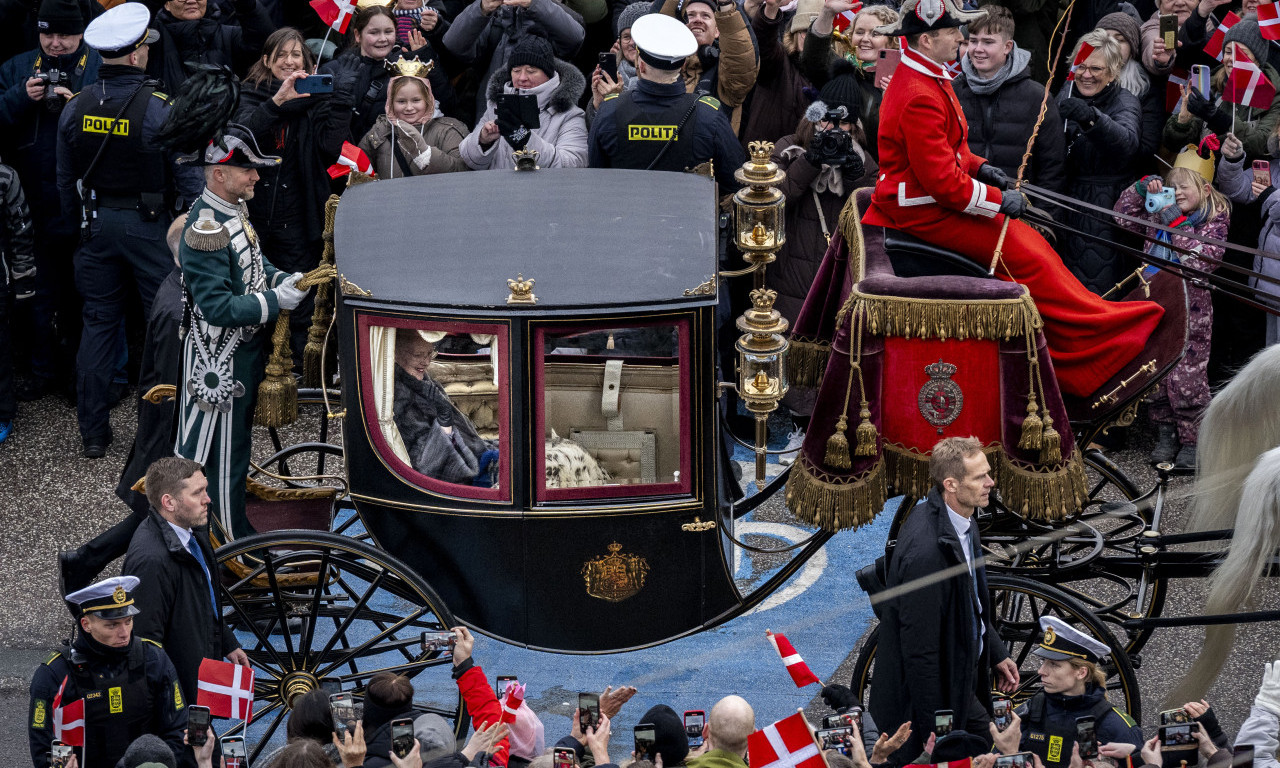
(650, 132)
(97, 124)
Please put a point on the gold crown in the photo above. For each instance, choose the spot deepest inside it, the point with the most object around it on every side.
(1190, 158)
(614, 548)
(411, 67)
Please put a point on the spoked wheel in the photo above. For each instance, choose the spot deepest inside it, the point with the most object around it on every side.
(1017, 605)
(304, 465)
(310, 606)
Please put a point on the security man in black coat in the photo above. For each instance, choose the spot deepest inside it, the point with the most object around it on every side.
(124, 191)
(128, 685)
(657, 126)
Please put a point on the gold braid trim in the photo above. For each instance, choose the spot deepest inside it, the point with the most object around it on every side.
(807, 361)
(850, 225)
(1049, 494)
(835, 502)
(908, 470)
(997, 319)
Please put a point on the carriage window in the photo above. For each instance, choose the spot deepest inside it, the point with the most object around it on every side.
(613, 410)
(436, 390)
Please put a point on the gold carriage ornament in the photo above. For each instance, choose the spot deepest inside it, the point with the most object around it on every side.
(616, 576)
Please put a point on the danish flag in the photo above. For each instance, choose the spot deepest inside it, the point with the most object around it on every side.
(1219, 36)
(1086, 51)
(336, 13)
(352, 158)
(226, 689)
(68, 721)
(844, 19)
(1247, 85)
(799, 671)
(788, 743)
(1269, 20)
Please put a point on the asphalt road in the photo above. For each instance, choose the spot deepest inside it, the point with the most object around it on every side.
(51, 499)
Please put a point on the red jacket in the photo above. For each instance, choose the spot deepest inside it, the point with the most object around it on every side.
(483, 705)
(924, 150)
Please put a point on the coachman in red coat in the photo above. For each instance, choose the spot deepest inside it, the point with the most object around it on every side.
(933, 187)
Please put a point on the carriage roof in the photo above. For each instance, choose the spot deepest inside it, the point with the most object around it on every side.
(589, 237)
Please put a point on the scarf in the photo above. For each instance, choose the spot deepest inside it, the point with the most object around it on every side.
(1174, 218)
(1016, 63)
(85, 643)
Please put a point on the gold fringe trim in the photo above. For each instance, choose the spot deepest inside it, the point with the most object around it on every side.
(998, 319)
(1052, 494)
(850, 224)
(835, 503)
(807, 361)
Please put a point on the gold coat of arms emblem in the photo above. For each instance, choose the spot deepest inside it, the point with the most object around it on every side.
(616, 576)
(119, 595)
(1050, 636)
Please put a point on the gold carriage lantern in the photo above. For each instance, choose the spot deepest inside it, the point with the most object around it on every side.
(762, 365)
(759, 227)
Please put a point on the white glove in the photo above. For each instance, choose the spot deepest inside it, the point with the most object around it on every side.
(288, 295)
(1269, 694)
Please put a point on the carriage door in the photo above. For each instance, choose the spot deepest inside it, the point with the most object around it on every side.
(612, 482)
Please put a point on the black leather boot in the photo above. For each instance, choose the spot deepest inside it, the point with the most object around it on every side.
(1167, 444)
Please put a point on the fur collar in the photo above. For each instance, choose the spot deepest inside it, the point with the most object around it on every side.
(564, 98)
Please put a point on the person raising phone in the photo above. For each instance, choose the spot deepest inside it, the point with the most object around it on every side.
(1075, 687)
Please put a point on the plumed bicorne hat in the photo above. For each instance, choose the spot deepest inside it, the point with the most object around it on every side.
(927, 15)
(236, 147)
(197, 128)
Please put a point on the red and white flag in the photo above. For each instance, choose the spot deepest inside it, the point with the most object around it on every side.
(953, 68)
(1086, 51)
(1173, 89)
(799, 671)
(226, 689)
(788, 743)
(351, 159)
(68, 721)
(844, 19)
(1247, 85)
(336, 13)
(1269, 20)
(1219, 36)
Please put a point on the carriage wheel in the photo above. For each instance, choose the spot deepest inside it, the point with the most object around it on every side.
(305, 465)
(349, 611)
(1017, 604)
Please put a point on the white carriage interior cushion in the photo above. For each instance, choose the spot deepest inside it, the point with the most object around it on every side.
(470, 386)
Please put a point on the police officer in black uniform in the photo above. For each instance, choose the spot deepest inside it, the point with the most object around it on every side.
(657, 126)
(1074, 688)
(128, 684)
(124, 191)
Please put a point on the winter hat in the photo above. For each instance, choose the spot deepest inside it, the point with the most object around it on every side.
(526, 736)
(683, 7)
(806, 12)
(1128, 28)
(1246, 33)
(533, 51)
(843, 91)
(148, 749)
(671, 740)
(60, 17)
(958, 745)
(435, 735)
(629, 15)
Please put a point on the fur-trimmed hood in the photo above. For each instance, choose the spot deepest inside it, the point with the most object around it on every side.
(561, 98)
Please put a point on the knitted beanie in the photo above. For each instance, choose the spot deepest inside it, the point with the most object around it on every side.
(534, 51)
(1124, 24)
(806, 12)
(628, 17)
(671, 741)
(843, 91)
(147, 748)
(1246, 33)
(60, 17)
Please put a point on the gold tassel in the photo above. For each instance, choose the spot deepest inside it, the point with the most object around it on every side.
(278, 392)
(1051, 444)
(838, 447)
(1031, 426)
(867, 435)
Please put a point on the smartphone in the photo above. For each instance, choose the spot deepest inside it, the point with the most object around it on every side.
(233, 752)
(563, 758)
(504, 682)
(1016, 760)
(840, 739)
(646, 736)
(609, 64)
(1174, 716)
(588, 710)
(694, 719)
(524, 106)
(343, 707)
(835, 721)
(197, 725)
(402, 740)
(331, 685)
(1169, 30)
(1086, 738)
(1179, 735)
(943, 722)
(1003, 708)
(60, 753)
(887, 65)
(438, 641)
(314, 84)
(1200, 79)
(1242, 756)
(1262, 172)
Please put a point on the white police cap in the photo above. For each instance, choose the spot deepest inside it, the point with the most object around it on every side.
(110, 598)
(664, 42)
(121, 31)
(1063, 641)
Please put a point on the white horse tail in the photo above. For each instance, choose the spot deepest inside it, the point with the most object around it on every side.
(1257, 536)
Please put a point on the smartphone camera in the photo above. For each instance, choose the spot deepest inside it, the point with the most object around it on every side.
(694, 720)
(437, 641)
(943, 722)
(1179, 735)
(60, 754)
(1003, 713)
(1085, 738)
(504, 682)
(1016, 760)
(564, 758)
(402, 739)
(198, 719)
(839, 739)
(588, 710)
(646, 737)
